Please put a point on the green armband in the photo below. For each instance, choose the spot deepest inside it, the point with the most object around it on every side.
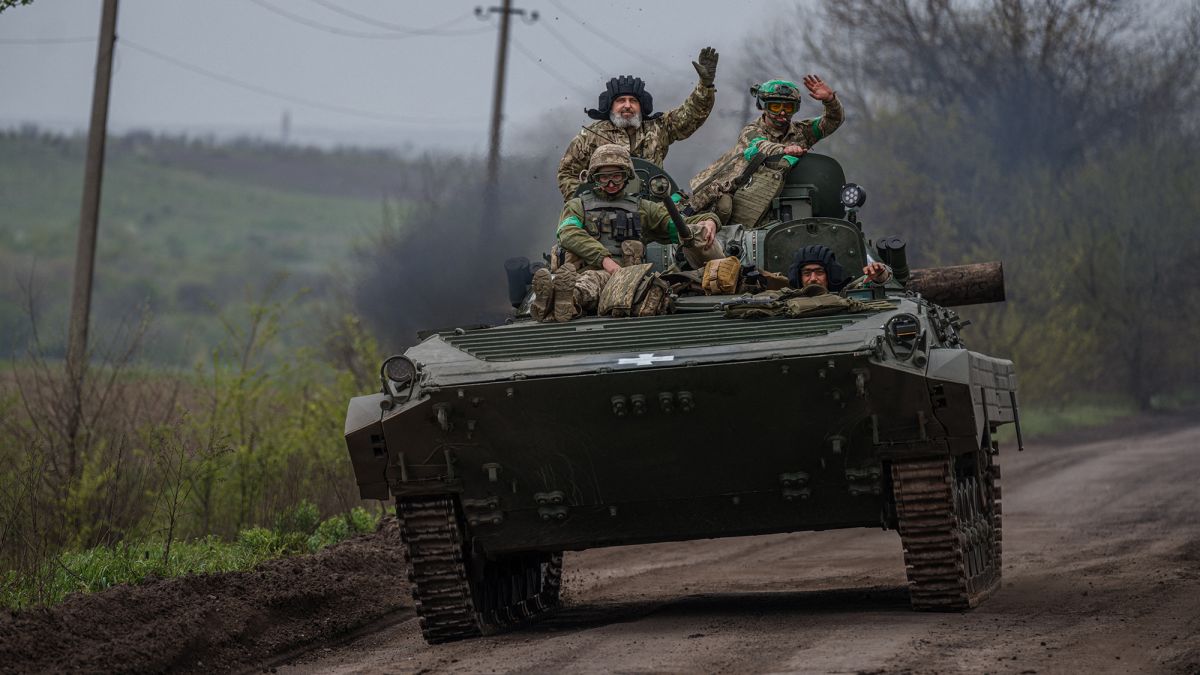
(791, 160)
(672, 232)
(569, 221)
(816, 127)
(752, 149)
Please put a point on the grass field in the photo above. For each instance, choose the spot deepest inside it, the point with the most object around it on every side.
(180, 236)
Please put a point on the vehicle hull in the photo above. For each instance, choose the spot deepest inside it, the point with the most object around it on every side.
(664, 452)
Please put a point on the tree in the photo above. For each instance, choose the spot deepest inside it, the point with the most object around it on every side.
(1046, 81)
(5, 4)
(1056, 136)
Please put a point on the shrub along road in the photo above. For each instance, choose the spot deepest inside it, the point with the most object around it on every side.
(1102, 574)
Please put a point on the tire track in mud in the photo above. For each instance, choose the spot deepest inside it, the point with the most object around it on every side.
(1102, 574)
(1102, 553)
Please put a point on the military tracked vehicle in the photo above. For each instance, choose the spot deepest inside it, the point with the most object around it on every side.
(505, 446)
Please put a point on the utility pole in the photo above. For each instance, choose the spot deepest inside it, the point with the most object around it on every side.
(746, 106)
(85, 249)
(491, 188)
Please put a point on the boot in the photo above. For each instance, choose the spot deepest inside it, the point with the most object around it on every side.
(565, 307)
(542, 307)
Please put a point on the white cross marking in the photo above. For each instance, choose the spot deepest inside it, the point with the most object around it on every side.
(645, 360)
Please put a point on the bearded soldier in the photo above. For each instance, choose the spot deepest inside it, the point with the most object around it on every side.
(627, 118)
(816, 265)
(773, 133)
(605, 229)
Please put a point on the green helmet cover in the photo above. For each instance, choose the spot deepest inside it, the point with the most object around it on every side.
(776, 90)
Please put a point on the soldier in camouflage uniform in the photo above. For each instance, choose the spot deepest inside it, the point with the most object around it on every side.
(605, 229)
(627, 118)
(772, 133)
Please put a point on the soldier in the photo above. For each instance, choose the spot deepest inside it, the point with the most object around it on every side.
(816, 265)
(627, 118)
(605, 229)
(772, 133)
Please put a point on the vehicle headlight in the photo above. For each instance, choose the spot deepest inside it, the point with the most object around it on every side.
(903, 329)
(399, 371)
(853, 196)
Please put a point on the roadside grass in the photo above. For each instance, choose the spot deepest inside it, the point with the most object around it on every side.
(1040, 421)
(299, 530)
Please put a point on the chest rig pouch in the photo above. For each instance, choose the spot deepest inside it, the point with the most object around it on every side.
(612, 221)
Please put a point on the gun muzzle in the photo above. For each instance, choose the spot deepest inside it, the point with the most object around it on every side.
(660, 187)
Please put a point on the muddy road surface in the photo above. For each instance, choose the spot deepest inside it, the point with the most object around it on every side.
(1101, 574)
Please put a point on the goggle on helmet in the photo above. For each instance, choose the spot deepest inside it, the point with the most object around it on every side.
(778, 96)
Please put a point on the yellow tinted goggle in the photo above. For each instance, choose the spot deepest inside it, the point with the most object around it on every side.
(785, 107)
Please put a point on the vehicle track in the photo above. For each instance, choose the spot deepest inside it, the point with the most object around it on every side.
(1101, 573)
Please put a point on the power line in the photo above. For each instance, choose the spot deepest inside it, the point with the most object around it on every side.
(391, 35)
(288, 97)
(45, 41)
(437, 29)
(574, 50)
(537, 61)
(601, 34)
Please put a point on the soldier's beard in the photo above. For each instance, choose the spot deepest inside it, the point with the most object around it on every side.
(625, 122)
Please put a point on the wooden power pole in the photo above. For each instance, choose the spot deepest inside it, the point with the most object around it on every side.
(85, 248)
(491, 188)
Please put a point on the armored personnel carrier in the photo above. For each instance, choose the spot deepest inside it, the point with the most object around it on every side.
(505, 446)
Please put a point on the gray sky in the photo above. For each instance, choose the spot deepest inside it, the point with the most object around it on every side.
(411, 90)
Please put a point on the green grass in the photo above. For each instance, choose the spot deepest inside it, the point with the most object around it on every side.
(181, 239)
(1039, 421)
(101, 568)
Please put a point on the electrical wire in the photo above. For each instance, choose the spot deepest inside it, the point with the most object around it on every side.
(125, 42)
(391, 35)
(598, 33)
(574, 49)
(436, 30)
(45, 41)
(533, 58)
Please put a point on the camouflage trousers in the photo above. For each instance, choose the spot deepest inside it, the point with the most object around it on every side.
(634, 253)
(566, 293)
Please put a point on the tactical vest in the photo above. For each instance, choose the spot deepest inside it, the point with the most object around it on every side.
(612, 221)
(752, 201)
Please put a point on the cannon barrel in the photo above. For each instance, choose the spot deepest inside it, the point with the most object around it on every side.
(960, 284)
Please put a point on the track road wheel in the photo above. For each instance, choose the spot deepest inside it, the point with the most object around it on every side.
(458, 596)
(949, 522)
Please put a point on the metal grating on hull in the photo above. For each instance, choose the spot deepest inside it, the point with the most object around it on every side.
(536, 340)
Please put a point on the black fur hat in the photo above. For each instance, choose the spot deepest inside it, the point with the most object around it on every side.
(820, 255)
(625, 85)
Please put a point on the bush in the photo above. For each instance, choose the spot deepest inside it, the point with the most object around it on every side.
(303, 518)
(338, 528)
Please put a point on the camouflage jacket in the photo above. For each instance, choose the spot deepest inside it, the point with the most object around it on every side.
(579, 234)
(650, 141)
(760, 137)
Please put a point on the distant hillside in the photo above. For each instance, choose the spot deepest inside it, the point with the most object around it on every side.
(185, 227)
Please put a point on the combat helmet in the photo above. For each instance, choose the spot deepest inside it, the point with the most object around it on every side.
(625, 85)
(610, 154)
(775, 90)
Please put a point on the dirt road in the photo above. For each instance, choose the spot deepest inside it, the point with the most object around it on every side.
(1101, 574)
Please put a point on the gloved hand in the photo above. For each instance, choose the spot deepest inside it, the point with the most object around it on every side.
(707, 67)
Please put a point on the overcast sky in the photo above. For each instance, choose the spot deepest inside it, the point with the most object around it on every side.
(352, 76)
